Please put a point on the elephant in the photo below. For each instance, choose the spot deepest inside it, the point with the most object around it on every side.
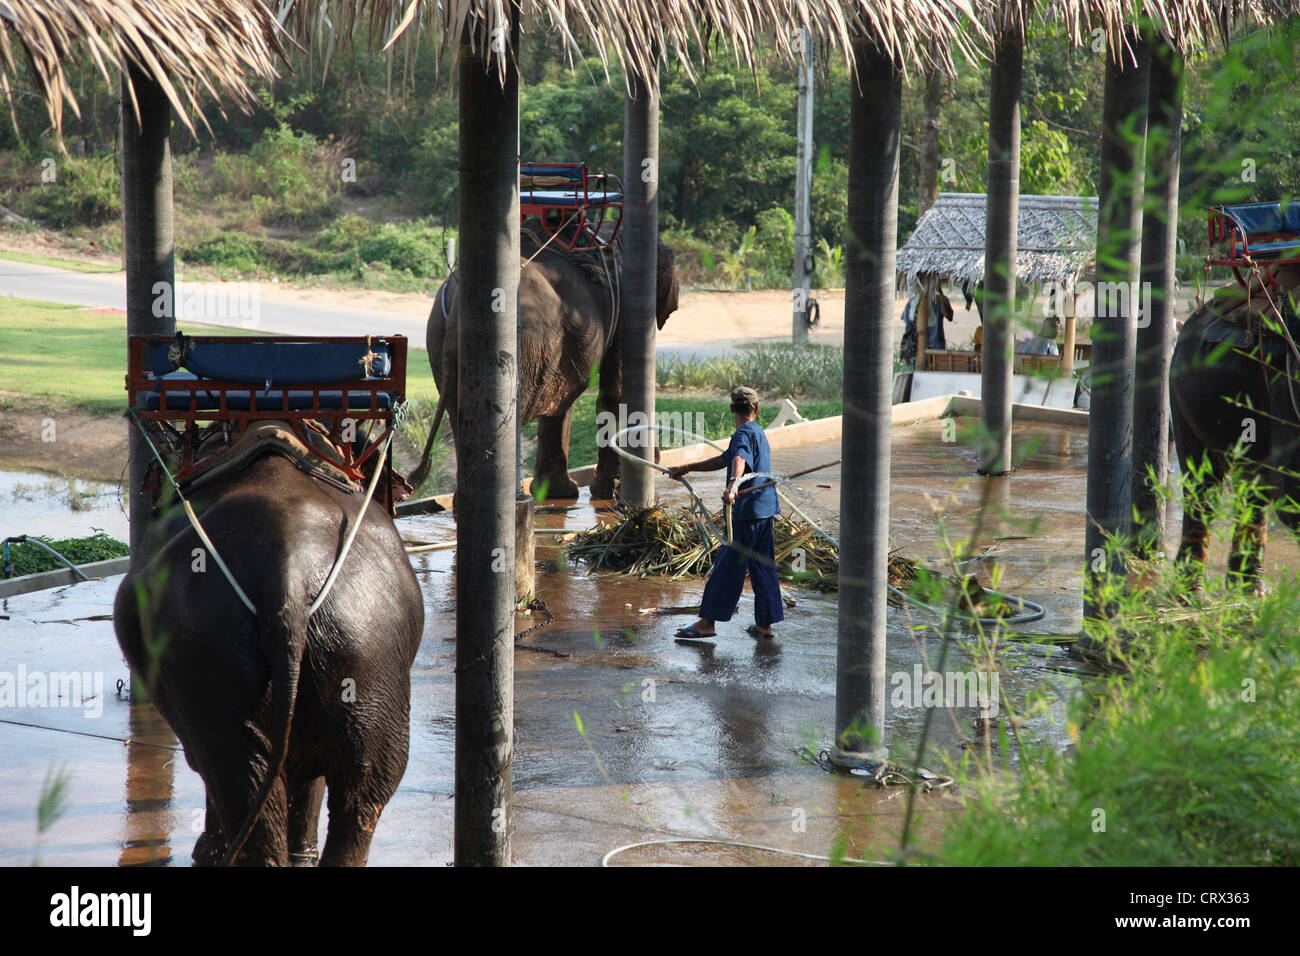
(272, 708)
(1234, 386)
(569, 332)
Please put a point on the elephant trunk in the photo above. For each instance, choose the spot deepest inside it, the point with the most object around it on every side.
(284, 640)
(422, 471)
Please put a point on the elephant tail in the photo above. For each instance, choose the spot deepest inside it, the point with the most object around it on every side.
(417, 477)
(284, 640)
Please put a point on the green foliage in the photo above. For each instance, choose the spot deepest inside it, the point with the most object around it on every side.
(30, 559)
(84, 192)
(829, 266)
(291, 178)
(774, 248)
(816, 371)
(734, 262)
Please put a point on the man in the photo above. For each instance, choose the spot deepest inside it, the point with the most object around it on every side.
(1044, 343)
(752, 547)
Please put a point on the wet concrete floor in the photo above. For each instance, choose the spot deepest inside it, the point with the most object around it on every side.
(678, 741)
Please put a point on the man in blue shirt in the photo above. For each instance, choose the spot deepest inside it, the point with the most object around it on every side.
(752, 547)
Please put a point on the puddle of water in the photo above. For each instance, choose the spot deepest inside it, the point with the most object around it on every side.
(48, 505)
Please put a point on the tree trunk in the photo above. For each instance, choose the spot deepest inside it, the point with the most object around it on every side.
(1155, 334)
(485, 460)
(1119, 232)
(803, 191)
(936, 86)
(874, 137)
(1000, 239)
(149, 252)
(640, 257)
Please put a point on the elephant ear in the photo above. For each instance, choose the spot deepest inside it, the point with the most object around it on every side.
(666, 286)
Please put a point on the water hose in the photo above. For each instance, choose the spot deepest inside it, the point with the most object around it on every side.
(1035, 612)
(24, 539)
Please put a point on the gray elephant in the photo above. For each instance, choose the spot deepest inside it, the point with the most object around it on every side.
(274, 707)
(570, 329)
(1233, 386)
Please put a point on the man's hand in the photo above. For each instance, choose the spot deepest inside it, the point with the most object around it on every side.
(729, 494)
(676, 472)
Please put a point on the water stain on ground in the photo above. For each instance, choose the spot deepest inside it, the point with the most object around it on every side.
(629, 737)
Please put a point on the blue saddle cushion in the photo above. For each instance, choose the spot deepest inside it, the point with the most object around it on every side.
(276, 363)
(548, 197)
(268, 400)
(1265, 218)
(571, 173)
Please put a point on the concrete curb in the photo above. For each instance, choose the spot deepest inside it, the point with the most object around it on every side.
(96, 570)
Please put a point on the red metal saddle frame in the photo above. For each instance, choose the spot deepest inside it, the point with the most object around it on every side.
(182, 426)
(586, 206)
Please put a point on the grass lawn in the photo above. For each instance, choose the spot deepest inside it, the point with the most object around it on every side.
(64, 357)
(76, 265)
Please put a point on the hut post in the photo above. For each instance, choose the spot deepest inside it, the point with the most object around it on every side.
(640, 255)
(1067, 346)
(923, 325)
(1156, 329)
(874, 138)
(1000, 240)
(1119, 230)
(485, 431)
(148, 249)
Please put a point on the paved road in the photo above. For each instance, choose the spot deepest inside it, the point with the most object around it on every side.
(256, 306)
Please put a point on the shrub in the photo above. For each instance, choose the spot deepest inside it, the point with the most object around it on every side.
(85, 192)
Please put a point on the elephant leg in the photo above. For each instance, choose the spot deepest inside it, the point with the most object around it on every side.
(553, 457)
(351, 828)
(227, 751)
(1248, 536)
(1202, 471)
(608, 464)
(304, 822)
(210, 847)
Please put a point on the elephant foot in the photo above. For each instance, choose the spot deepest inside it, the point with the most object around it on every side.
(604, 488)
(307, 856)
(554, 488)
(209, 849)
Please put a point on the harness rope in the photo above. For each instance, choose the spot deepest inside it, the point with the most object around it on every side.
(212, 549)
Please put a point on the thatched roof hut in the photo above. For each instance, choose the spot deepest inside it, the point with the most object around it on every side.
(630, 33)
(186, 45)
(1056, 240)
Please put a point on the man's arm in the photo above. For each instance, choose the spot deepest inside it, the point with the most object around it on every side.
(715, 463)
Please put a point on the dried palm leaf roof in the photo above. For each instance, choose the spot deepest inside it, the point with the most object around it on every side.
(1188, 25)
(1056, 239)
(631, 34)
(188, 46)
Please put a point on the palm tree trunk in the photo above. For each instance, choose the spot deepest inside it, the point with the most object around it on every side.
(1001, 219)
(935, 88)
(1119, 233)
(640, 240)
(1155, 334)
(485, 459)
(875, 111)
(149, 251)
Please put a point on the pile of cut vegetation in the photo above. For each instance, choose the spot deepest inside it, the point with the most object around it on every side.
(676, 543)
(28, 558)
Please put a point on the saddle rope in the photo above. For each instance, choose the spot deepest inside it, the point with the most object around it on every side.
(216, 556)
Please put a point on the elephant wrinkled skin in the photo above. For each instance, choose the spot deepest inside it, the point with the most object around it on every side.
(569, 330)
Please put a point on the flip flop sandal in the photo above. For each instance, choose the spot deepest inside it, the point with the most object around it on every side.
(691, 634)
(753, 631)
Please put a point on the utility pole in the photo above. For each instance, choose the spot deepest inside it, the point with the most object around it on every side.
(803, 191)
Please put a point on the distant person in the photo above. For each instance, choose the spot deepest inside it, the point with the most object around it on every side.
(1044, 343)
(978, 343)
(935, 341)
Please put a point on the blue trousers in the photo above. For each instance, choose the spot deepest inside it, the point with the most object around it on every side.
(752, 550)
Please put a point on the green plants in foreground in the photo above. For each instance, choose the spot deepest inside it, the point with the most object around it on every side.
(30, 559)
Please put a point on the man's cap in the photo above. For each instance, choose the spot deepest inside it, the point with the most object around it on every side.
(744, 396)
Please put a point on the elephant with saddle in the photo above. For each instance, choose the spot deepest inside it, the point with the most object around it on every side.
(276, 706)
(1235, 386)
(569, 314)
